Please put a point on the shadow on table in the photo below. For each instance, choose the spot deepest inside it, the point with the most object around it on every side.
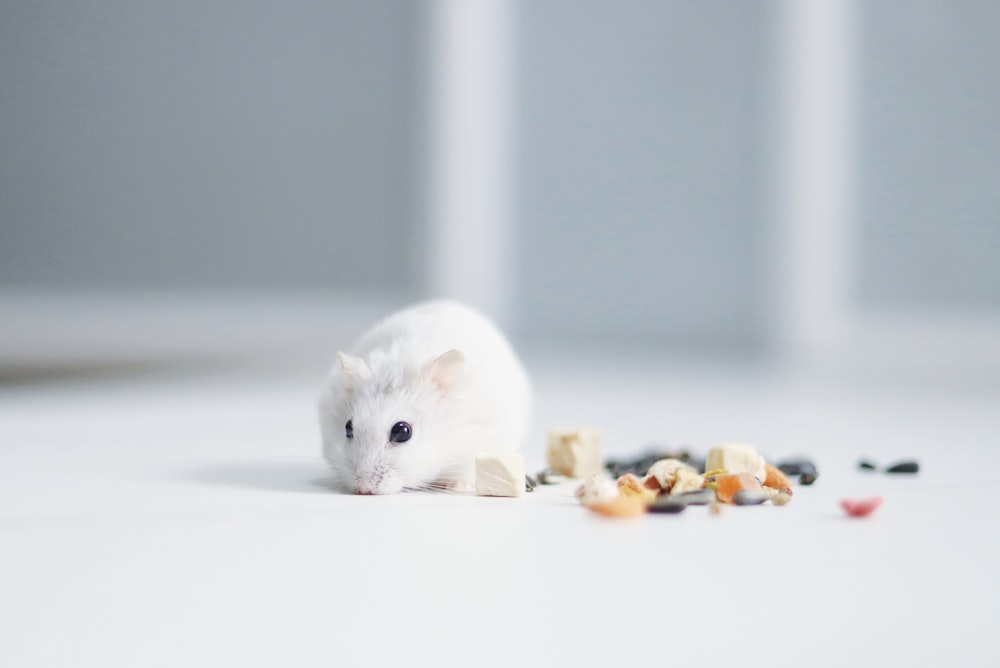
(295, 477)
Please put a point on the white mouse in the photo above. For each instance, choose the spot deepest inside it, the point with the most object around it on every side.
(418, 396)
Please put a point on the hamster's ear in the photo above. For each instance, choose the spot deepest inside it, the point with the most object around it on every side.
(446, 370)
(353, 367)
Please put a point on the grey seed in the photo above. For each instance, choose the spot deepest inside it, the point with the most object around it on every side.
(904, 467)
(808, 478)
(866, 465)
(529, 483)
(666, 504)
(699, 497)
(748, 497)
(550, 477)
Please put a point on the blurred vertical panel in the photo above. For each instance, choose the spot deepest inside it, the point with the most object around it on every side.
(929, 207)
(815, 141)
(210, 145)
(643, 161)
(469, 225)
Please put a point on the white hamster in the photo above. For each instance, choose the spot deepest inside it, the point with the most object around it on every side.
(418, 397)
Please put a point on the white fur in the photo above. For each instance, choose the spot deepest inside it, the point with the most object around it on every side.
(459, 404)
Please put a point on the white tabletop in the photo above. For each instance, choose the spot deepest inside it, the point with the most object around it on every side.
(179, 521)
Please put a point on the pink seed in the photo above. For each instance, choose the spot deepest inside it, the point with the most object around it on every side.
(861, 507)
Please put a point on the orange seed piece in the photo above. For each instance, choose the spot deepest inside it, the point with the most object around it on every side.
(622, 506)
(727, 485)
(776, 478)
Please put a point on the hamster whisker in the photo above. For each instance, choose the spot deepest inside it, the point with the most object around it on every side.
(435, 487)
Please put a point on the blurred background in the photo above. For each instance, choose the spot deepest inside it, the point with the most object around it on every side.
(813, 183)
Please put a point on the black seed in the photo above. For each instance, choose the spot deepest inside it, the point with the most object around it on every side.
(666, 504)
(866, 465)
(808, 478)
(529, 483)
(699, 497)
(904, 467)
(748, 497)
(796, 466)
(550, 477)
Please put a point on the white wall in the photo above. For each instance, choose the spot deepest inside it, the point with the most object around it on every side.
(210, 145)
(630, 183)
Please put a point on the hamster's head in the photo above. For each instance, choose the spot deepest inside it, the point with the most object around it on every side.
(385, 425)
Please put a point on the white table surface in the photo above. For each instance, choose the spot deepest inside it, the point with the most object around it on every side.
(178, 521)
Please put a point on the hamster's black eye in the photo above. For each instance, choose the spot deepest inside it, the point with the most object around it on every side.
(401, 432)
(349, 428)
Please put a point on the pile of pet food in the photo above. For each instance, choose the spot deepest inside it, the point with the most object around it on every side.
(661, 481)
(733, 473)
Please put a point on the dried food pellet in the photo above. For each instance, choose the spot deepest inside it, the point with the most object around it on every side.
(597, 488)
(796, 466)
(529, 483)
(666, 471)
(630, 485)
(500, 475)
(577, 453)
(904, 467)
(746, 497)
(688, 480)
(861, 507)
(866, 465)
(550, 477)
(701, 497)
(808, 478)
(737, 458)
(667, 505)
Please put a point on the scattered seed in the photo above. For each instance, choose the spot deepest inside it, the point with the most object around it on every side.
(808, 478)
(861, 507)
(746, 497)
(667, 504)
(904, 467)
(550, 477)
(619, 507)
(781, 498)
(640, 465)
(866, 465)
(726, 486)
(629, 485)
(701, 497)
(797, 466)
(776, 478)
(529, 483)
(598, 488)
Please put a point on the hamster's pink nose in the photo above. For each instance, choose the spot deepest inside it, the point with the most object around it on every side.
(364, 490)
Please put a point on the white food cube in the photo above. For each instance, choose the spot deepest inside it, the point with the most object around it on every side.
(577, 453)
(736, 458)
(500, 475)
